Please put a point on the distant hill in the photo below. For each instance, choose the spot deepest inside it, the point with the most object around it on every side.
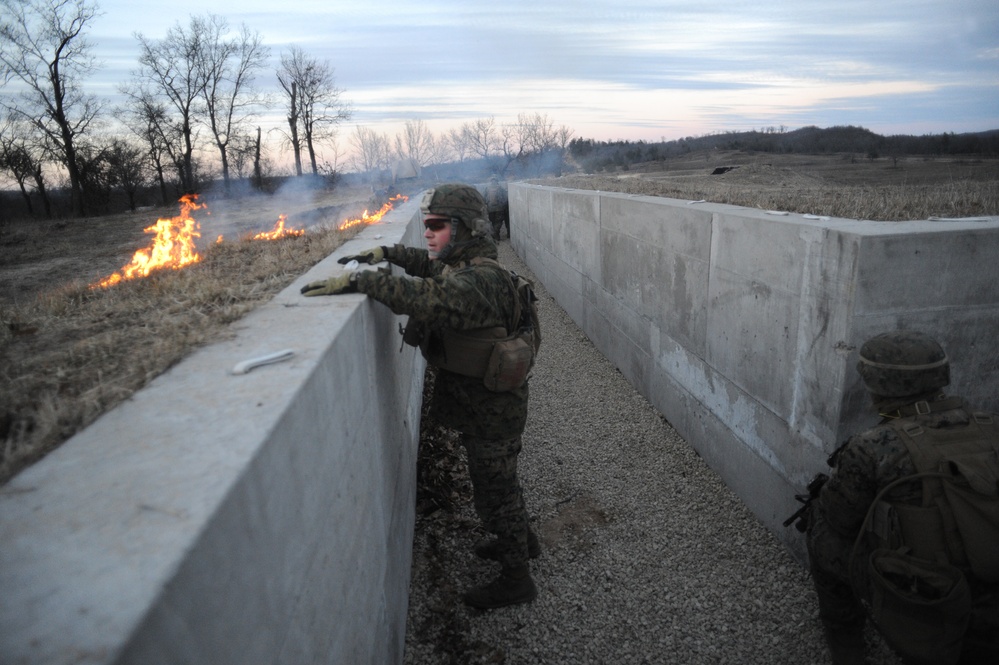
(594, 155)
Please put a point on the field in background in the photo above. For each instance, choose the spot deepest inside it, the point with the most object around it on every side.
(845, 186)
(68, 353)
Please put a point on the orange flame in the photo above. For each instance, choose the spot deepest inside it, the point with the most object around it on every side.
(279, 231)
(174, 244)
(173, 247)
(365, 218)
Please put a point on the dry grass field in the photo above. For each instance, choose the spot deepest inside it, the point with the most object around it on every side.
(830, 185)
(69, 352)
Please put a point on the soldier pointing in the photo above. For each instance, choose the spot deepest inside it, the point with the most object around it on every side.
(463, 306)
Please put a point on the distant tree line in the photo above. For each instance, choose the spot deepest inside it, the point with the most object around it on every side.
(190, 119)
(594, 156)
(191, 108)
(531, 146)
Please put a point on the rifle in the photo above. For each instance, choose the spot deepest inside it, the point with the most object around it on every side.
(800, 518)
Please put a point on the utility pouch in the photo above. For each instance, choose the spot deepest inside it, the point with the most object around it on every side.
(509, 364)
(413, 334)
(922, 608)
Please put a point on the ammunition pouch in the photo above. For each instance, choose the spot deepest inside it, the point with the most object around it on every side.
(922, 608)
(502, 361)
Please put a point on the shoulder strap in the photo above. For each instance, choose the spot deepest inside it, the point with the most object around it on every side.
(517, 308)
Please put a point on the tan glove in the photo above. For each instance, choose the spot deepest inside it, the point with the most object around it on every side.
(345, 283)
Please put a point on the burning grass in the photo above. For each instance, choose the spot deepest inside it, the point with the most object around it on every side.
(73, 353)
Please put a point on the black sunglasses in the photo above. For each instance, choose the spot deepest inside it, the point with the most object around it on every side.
(436, 224)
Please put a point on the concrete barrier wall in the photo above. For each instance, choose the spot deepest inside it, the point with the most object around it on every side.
(742, 326)
(218, 518)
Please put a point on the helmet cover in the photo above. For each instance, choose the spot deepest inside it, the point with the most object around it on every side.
(460, 202)
(903, 363)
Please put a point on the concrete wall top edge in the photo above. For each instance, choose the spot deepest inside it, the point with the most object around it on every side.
(862, 227)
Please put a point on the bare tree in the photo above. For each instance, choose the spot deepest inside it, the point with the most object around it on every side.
(563, 137)
(510, 145)
(482, 137)
(127, 168)
(316, 104)
(288, 77)
(536, 133)
(149, 120)
(415, 142)
(171, 70)
(458, 140)
(42, 46)
(229, 67)
(243, 155)
(535, 141)
(440, 150)
(22, 157)
(371, 150)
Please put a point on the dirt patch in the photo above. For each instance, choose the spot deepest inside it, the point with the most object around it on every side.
(573, 524)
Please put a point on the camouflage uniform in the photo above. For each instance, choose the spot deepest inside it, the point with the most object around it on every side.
(867, 463)
(453, 294)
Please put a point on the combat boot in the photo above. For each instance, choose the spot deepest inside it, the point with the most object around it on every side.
(512, 587)
(490, 549)
(846, 643)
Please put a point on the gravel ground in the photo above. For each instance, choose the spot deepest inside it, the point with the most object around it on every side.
(648, 557)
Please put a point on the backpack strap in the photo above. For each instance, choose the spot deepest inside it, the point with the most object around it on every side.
(925, 407)
(858, 575)
(511, 279)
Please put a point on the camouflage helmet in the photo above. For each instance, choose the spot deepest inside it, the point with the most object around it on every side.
(461, 202)
(903, 363)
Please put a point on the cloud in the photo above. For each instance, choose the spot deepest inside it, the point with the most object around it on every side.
(636, 68)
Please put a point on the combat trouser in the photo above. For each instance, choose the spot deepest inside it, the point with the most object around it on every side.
(496, 224)
(498, 497)
(841, 614)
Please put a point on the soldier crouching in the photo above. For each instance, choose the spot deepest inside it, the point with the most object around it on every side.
(906, 529)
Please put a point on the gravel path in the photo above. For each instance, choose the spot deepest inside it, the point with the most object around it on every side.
(648, 557)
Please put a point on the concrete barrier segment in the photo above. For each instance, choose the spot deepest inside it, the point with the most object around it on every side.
(264, 517)
(741, 326)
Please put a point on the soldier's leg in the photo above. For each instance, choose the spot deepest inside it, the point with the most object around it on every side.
(498, 497)
(499, 502)
(841, 614)
(495, 224)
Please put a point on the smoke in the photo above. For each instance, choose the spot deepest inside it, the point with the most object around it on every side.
(246, 211)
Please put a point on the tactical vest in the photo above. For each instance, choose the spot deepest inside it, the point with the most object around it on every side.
(501, 356)
(957, 520)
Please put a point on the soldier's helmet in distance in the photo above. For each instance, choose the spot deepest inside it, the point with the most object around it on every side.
(903, 363)
(458, 201)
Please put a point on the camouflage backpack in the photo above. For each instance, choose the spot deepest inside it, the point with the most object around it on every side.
(916, 580)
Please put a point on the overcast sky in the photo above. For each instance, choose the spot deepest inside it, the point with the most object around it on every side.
(629, 69)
